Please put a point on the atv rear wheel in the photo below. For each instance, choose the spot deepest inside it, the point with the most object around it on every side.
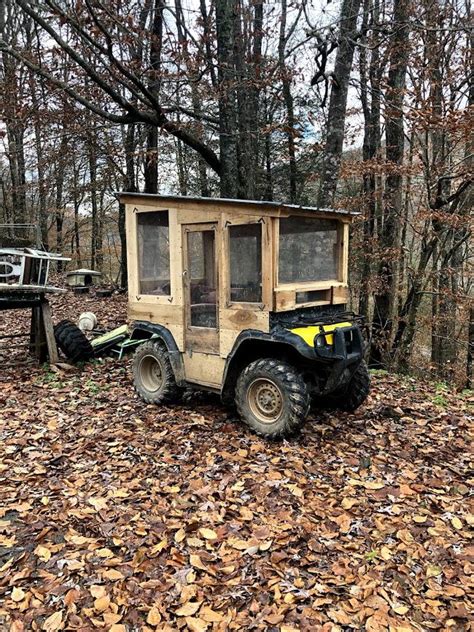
(272, 398)
(72, 342)
(153, 375)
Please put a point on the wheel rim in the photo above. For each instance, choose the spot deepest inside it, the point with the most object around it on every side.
(151, 373)
(265, 400)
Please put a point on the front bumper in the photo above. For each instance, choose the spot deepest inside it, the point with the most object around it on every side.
(347, 345)
(327, 343)
(345, 354)
(339, 348)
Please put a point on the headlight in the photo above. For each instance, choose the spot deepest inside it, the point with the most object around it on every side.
(320, 340)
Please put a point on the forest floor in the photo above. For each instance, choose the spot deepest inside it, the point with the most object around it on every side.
(122, 516)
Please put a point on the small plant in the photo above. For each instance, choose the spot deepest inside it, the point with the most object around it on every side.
(95, 388)
(371, 556)
(49, 377)
(440, 400)
(379, 372)
(94, 362)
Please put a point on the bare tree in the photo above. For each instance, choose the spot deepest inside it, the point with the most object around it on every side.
(338, 101)
(385, 297)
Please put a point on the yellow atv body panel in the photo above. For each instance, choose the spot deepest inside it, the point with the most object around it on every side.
(308, 333)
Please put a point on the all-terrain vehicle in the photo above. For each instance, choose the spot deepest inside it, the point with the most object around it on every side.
(245, 299)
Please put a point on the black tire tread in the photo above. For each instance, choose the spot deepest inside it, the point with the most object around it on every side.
(171, 393)
(294, 385)
(357, 391)
(73, 342)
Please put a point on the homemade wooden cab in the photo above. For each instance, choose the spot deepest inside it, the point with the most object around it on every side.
(208, 269)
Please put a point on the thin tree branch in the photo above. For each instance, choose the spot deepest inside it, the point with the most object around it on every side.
(124, 104)
(114, 118)
(108, 52)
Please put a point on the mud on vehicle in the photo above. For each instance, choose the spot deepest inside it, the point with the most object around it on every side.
(245, 299)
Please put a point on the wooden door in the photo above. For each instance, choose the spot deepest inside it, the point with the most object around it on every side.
(201, 288)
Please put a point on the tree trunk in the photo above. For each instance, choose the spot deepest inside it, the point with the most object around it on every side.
(385, 298)
(338, 102)
(240, 43)
(248, 57)
(76, 235)
(268, 193)
(404, 337)
(435, 350)
(455, 248)
(156, 40)
(77, 200)
(470, 349)
(130, 185)
(370, 148)
(13, 118)
(94, 205)
(151, 160)
(467, 203)
(182, 168)
(289, 105)
(59, 201)
(227, 100)
(42, 194)
(195, 97)
(208, 39)
(16, 160)
(404, 249)
(442, 299)
(100, 229)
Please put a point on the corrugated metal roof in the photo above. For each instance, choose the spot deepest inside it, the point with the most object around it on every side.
(252, 203)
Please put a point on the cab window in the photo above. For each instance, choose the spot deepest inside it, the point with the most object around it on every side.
(245, 245)
(308, 250)
(202, 278)
(154, 253)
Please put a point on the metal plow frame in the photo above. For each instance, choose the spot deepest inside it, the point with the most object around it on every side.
(30, 266)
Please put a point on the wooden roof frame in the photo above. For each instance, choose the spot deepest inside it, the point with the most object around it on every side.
(274, 209)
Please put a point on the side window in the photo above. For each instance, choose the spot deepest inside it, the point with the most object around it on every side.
(154, 253)
(245, 263)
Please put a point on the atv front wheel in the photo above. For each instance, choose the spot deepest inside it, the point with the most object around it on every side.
(272, 398)
(153, 375)
(72, 342)
(356, 392)
(350, 396)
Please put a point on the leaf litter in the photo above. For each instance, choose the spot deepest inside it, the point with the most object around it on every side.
(120, 516)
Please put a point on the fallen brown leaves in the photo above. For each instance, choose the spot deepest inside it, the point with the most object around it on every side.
(121, 516)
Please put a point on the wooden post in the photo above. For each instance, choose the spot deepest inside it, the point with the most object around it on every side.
(42, 340)
(49, 332)
(38, 341)
(208, 237)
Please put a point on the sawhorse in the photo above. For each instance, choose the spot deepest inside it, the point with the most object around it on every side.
(42, 344)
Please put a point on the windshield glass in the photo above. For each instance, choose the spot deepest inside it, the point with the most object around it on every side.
(308, 249)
